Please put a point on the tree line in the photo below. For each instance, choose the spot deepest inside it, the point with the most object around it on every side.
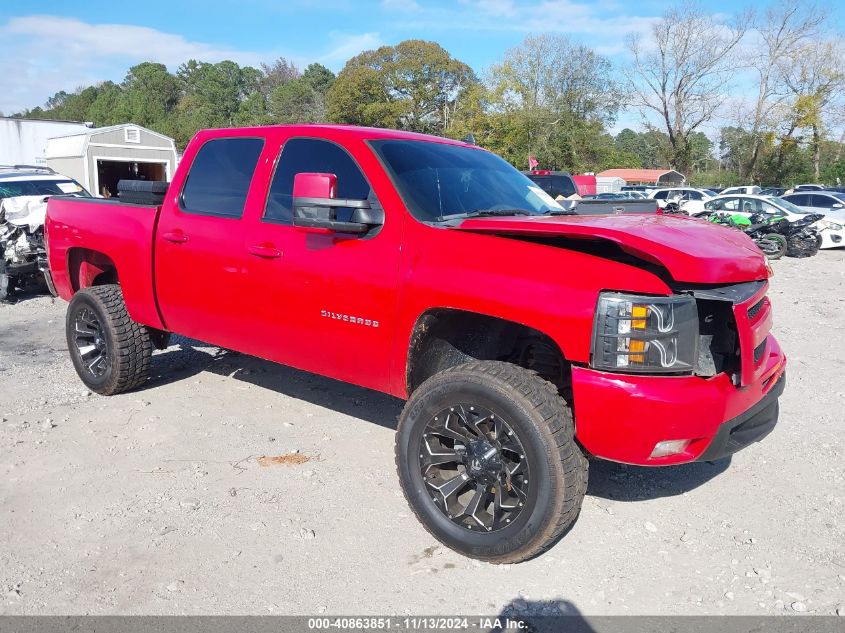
(768, 88)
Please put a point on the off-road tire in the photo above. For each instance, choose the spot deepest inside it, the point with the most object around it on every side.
(128, 343)
(542, 420)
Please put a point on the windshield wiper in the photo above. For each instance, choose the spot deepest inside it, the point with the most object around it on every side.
(560, 212)
(483, 213)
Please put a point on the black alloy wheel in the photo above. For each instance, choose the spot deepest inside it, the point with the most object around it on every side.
(90, 342)
(475, 467)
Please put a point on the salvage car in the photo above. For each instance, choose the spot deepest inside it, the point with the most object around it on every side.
(524, 338)
(24, 190)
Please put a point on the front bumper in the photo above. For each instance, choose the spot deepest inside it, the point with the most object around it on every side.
(752, 426)
(623, 417)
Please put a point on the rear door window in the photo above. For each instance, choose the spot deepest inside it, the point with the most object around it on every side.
(219, 179)
(661, 195)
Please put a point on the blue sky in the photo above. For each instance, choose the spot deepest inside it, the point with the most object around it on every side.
(54, 45)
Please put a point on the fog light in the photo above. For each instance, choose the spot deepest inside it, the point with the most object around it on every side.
(669, 447)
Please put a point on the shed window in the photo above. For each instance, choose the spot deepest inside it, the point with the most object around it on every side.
(131, 135)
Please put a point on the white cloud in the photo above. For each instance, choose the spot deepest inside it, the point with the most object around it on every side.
(498, 8)
(344, 46)
(40, 55)
(120, 40)
(604, 22)
(405, 6)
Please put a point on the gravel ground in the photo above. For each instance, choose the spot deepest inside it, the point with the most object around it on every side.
(157, 501)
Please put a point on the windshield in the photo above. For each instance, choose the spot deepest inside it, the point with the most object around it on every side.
(786, 204)
(12, 189)
(437, 181)
(710, 193)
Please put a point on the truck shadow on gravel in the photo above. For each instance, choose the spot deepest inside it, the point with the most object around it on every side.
(619, 482)
(186, 358)
(607, 480)
(533, 616)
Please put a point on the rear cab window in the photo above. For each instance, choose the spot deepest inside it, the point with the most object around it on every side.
(556, 185)
(219, 178)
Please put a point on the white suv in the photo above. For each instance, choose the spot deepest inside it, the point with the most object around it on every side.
(26, 180)
(688, 199)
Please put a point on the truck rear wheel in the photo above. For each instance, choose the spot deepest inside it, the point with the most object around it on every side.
(110, 352)
(488, 462)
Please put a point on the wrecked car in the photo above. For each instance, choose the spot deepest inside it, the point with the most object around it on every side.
(524, 338)
(24, 191)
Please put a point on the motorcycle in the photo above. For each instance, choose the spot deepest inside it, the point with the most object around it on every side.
(802, 239)
(766, 233)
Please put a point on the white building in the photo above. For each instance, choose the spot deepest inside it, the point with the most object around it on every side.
(609, 184)
(98, 158)
(24, 141)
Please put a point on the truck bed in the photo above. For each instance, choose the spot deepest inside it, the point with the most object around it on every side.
(124, 232)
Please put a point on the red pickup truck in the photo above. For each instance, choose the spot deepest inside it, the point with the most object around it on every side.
(524, 338)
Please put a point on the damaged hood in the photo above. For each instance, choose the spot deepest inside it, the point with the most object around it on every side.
(28, 211)
(691, 250)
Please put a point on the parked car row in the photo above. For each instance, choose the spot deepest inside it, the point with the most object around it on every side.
(737, 206)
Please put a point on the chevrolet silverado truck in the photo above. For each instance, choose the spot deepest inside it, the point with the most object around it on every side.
(524, 338)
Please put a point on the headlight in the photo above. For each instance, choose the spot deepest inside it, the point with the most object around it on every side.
(827, 224)
(645, 334)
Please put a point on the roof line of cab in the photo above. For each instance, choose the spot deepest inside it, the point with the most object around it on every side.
(348, 131)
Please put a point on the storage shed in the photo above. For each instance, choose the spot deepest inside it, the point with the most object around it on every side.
(609, 184)
(100, 157)
(659, 177)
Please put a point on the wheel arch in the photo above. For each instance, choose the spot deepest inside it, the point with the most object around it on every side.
(445, 337)
(87, 268)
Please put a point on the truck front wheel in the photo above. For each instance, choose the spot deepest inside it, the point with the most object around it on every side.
(488, 462)
(110, 352)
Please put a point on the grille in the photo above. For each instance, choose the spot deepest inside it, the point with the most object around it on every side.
(758, 352)
(753, 310)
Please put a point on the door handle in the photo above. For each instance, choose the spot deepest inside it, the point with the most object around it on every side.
(177, 237)
(268, 252)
